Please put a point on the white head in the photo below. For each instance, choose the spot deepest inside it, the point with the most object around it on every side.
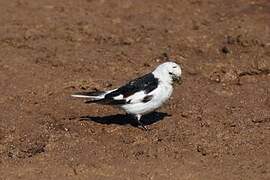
(168, 72)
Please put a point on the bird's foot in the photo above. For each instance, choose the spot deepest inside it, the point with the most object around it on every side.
(138, 117)
(143, 126)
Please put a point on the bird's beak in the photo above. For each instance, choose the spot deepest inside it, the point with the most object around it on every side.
(177, 79)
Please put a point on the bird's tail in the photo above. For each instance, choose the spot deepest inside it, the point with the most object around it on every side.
(92, 96)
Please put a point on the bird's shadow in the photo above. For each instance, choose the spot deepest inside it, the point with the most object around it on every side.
(124, 119)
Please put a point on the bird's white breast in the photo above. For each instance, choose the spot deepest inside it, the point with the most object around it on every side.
(160, 95)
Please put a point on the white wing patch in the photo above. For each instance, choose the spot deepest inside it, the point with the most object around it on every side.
(136, 98)
(119, 97)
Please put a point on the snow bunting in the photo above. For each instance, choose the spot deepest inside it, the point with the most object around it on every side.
(141, 95)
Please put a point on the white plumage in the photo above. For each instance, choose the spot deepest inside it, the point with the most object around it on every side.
(142, 95)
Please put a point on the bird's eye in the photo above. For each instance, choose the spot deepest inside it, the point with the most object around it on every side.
(174, 67)
(170, 73)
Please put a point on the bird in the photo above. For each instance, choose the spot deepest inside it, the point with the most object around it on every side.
(142, 95)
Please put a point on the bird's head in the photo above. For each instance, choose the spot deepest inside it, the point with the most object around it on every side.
(169, 72)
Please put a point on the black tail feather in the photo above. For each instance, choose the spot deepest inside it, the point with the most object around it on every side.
(106, 101)
(90, 93)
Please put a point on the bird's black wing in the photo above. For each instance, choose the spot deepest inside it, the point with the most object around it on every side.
(146, 83)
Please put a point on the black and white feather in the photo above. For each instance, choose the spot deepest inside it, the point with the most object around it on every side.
(142, 95)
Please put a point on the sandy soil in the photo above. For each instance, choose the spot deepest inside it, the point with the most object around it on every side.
(216, 125)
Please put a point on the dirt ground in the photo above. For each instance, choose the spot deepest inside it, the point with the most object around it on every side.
(215, 126)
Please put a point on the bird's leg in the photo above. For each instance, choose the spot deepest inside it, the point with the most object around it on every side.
(138, 117)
